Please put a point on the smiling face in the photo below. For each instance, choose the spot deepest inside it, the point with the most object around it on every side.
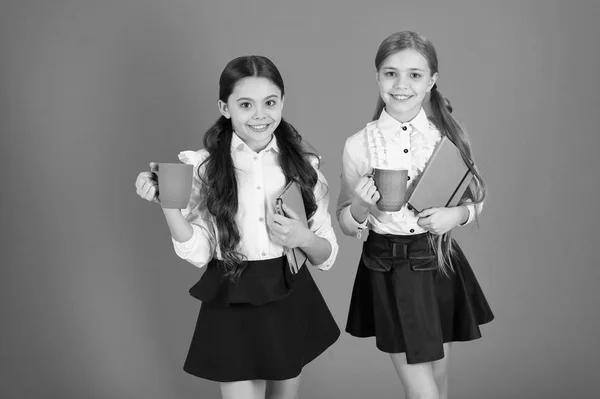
(254, 107)
(404, 80)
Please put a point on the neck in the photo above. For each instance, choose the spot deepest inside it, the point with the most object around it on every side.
(256, 146)
(404, 117)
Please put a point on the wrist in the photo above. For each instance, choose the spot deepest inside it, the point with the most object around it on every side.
(171, 212)
(309, 239)
(359, 212)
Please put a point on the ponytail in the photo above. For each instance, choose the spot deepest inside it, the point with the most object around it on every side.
(294, 160)
(440, 115)
(378, 108)
(220, 194)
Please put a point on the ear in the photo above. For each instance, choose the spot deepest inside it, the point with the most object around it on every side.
(434, 78)
(224, 109)
(377, 75)
(282, 98)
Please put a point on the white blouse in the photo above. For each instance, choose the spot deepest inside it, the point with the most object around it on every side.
(260, 180)
(387, 143)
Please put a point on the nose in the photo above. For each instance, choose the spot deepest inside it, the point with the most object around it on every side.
(259, 113)
(401, 81)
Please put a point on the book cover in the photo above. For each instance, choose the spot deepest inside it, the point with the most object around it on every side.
(444, 179)
(291, 196)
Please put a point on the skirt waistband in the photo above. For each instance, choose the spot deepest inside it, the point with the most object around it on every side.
(382, 252)
(396, 246)
(260, 282)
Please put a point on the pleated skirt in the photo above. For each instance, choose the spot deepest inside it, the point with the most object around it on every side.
(414, 312)
(266, 326)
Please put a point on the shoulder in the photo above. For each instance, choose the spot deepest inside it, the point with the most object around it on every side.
(433, 134)
(357, 140)
(193, 157)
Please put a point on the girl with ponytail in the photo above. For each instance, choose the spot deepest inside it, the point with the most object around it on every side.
(414, 289)
(259, 322)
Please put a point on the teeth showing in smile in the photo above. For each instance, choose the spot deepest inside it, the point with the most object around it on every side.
(401, 97)
(259, 128)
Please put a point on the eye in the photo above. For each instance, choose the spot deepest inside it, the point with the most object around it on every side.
(390, 74)
(415, 75)
(245, 105)
(271, 103)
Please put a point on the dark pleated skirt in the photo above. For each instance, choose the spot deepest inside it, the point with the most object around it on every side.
(414, 312)
(267, 326)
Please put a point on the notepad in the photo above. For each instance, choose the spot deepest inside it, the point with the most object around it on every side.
(444, 179)
(291, 196)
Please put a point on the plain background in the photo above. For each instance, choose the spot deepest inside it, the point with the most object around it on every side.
(94, 301)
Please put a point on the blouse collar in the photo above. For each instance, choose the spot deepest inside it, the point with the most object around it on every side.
(237, 144)
(390, 126)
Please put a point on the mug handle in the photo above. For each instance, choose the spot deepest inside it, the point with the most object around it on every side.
(154, 169)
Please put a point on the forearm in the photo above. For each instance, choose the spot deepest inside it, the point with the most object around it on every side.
(181, 229)
(317, 249)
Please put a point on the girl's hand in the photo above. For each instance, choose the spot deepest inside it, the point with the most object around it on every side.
(289, 231)
(146, 184)
(365, 201)
(441, 220)
(366, 194)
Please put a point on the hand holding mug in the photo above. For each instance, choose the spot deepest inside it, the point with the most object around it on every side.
(366, 194)
(146, 184)
(175, 184)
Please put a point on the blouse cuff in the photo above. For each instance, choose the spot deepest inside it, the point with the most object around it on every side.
(471, 209)
(188, 246)
(326, 265)
(198, 249)
(349, 225)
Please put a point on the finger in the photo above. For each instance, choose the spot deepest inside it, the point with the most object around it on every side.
(363, 183)
(141, 178)
(278, 220)
(371, 192)
(148, 192)
(278, 228)
(154, 166)
(366, 192)
(277, 235)
(424, 222)
(277, 241)
(151, 193)
(152, 189)
(427, 212)
(370, 184)
(146, 186)
(139, 185)
(376, 196)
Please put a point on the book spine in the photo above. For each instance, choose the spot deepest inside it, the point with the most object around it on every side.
(460, 189)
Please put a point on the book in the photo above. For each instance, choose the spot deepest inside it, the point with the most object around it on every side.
(291, 196)
(444, 179)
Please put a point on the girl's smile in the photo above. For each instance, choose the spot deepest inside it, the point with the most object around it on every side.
(259, 128)
(401, 97)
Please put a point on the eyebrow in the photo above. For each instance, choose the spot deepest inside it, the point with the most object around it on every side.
(410, 69)
(251, 99)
